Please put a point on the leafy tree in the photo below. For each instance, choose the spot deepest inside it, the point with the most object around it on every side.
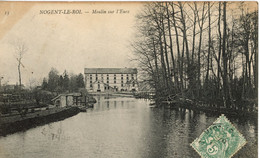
(53, 79)
(73, 83)
(63, 83)
(60, 84)
(44, 84)
(66, 81)
(80, 81)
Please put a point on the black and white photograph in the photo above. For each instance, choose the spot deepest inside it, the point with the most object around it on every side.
(172, 79)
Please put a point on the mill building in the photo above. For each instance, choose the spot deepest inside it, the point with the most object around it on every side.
(111, 79)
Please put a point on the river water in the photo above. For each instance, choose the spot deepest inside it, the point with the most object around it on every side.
(121, 127)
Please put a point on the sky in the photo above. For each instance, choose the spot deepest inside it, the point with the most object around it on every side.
(69, 42)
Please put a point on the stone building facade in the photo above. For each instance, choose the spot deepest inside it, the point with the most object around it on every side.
(111, 79)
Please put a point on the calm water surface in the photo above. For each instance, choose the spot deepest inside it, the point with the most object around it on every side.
(121, 127)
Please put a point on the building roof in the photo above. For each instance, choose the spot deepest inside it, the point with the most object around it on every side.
(110, 71)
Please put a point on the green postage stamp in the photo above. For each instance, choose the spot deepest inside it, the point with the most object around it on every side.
(220, 140)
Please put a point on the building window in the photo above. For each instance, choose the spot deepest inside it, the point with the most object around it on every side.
(122, 85)
(91, 85)
(132, 77)
(114, 81)
(90, 77)
(122, 81)
(127, 78)
(115, 78)
(107, 81)
(133, 84)
(107, 78)
(90, 82)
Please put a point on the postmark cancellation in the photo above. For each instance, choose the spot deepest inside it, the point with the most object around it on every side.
(220, 140)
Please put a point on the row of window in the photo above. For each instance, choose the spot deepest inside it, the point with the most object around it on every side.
(122, 76)
(91, 86)
(114, 74)
(107, 81)
(114, 78)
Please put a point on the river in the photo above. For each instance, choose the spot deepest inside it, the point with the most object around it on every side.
(121, 127)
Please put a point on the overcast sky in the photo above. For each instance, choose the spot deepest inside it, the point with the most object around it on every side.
(64, 41)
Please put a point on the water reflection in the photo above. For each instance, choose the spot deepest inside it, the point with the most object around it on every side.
(122, 127)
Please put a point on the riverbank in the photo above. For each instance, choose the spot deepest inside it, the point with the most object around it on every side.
(23, 110)
(189, 104)
(14, 123)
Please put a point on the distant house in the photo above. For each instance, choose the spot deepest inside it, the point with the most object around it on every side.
(110, 79)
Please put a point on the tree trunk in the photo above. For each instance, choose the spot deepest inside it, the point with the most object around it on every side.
(162, 60)
(178, 50)
(171, 49)
(219, 51)
(194, 32)
(209, 45)
(155, 61)
(166, 53)
(200, 41)
(19, 72)
(185, 40)
(225, 59)
(256, 52)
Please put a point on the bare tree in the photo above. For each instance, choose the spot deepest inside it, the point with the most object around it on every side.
(175, 44)
(20, 49)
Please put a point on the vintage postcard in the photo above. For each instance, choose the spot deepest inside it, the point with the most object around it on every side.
(128, 79)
